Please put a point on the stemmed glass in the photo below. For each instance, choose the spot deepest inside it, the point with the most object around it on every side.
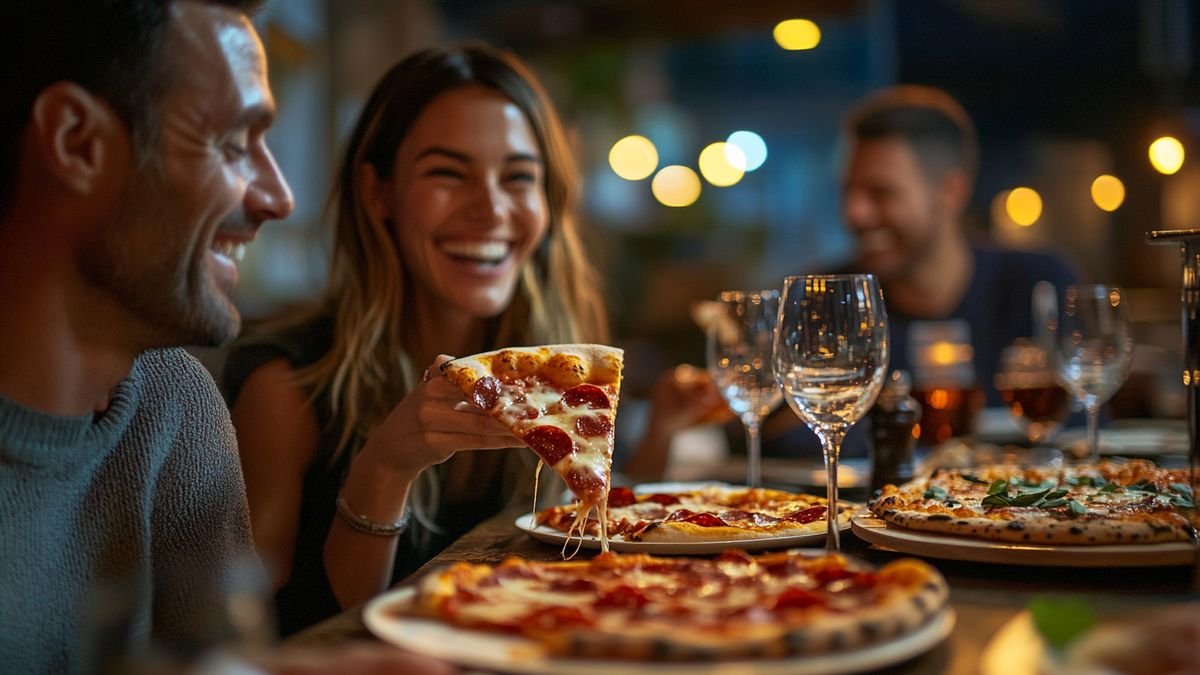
(1094, 347)
(831, 357)
(740, 331)
(1029, 385)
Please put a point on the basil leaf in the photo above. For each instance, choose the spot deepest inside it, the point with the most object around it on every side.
(1061, 620)
(935, 492)
(999, 487)
(996, 500)
(1057, 494)
(1077, 508)
(1029, 498)
(1052, 503)
(1182, 489)
(973, 478)
(1109, 488)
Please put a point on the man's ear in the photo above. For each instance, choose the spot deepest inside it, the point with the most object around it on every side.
(956, 192)
(77, 135)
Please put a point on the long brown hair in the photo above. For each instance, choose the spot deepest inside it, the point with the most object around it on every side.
(558, 299)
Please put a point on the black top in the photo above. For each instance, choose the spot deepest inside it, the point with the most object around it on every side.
(307, 597)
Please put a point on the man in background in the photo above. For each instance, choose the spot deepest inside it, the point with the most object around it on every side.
(911, 161)
(134, 169)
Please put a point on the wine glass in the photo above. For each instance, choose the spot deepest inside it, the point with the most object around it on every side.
(1094, 346)
(831, 357)
(740, 331)
(1029, 385)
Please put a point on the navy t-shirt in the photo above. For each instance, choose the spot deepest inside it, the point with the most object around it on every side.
(998, 309)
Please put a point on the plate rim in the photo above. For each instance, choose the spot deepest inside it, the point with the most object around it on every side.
(549, 535)
(874, 530)
(389, 629)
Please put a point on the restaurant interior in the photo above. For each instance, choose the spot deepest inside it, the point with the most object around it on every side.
(1088, 116)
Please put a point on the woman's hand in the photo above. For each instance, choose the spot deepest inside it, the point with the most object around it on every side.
(432, 423)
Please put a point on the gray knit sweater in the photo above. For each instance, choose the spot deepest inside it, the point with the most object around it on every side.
(116, 530)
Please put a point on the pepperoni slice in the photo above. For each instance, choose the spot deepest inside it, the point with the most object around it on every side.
(593, 425)
(797, 598)
(550, 443)
(622, 596)
(584, 485)
(810, 515)
(705, 520)
(735, 555)
(586, 394)
(620, 496)
(664, 499)
(487, 392)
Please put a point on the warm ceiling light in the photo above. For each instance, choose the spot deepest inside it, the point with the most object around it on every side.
(797, 34)
(633, 157)
(1108, 192)
(676, 185)
(1024, 206)
(1166, 154)
(722, 164)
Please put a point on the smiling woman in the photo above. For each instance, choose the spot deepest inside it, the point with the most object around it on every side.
(454, 234)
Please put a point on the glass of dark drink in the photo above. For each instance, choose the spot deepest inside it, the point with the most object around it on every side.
(1029, 385)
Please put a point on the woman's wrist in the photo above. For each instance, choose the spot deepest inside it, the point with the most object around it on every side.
(375, 490)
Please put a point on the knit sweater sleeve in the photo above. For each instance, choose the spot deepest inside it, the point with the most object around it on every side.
(202, 550)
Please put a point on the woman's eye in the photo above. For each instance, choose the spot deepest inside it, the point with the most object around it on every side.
(444, 172)
(522, 177)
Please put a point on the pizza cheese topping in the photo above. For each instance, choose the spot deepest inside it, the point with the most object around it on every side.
(734, 605)
(1104, 503)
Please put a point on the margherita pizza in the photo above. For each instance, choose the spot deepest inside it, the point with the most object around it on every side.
(561, 401)
(1132, 502)
(676, 609)
(705, 514)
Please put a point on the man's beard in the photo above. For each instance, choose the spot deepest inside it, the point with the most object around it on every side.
(149, 266)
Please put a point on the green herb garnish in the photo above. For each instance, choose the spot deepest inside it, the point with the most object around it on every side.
(1077, 508)
(936, 492)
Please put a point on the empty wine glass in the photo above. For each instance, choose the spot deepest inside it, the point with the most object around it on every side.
(1094, 345)
(831, 357)
(740, 331)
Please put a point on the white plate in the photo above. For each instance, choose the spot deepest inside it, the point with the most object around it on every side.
(510, 654)
(934, 545)
(618, 544)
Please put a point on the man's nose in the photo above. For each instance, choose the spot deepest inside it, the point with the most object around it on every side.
(269, 197)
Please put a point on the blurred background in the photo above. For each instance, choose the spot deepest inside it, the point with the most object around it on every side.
(1063, 92)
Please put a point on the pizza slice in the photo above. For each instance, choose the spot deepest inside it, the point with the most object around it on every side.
(561, 401)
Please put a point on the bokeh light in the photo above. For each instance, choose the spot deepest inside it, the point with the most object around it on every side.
(1166, 155)
(797, 34)
(752, 145)
(1108, 192)
(633, 157)
(676, 186)
(1024, 206)
(722, 164)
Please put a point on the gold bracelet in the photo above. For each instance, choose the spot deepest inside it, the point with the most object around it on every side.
(368, 526)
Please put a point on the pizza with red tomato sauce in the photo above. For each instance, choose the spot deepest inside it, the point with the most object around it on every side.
(561, 401)
(713, 513)
(732, 606)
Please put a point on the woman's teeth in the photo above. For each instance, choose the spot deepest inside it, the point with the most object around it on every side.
(230, 249)
(481, 251)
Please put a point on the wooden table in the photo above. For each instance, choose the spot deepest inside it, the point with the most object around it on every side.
(983, 596)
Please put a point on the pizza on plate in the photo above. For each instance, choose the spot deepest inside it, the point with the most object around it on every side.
(561, 401)
(713, 513)
(678, 609)
(1109, 502)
